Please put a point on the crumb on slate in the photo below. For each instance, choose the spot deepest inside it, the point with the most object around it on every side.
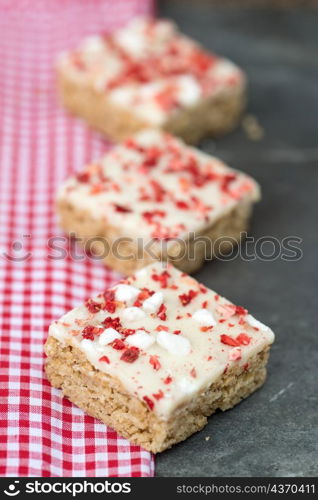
(252, 128)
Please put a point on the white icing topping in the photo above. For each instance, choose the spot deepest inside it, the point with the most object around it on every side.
(126, 293)
(224, 68)
(135, 40)
(152, 304)
(189, 91)
(108, 336)
(140, 339)
(174, 344)
(204, 317)
(133, 314)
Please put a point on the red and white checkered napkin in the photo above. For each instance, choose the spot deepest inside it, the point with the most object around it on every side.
(42, 434)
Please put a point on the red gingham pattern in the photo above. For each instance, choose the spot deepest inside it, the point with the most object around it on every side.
(42, 434)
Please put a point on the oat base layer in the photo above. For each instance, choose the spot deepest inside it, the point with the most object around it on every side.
(103, 397)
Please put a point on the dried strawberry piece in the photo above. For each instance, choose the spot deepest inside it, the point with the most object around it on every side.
(109, 295)
(151, 156)
(130, 355)
(203, 289)
(166, 233)
(90, 331)
(78, 62)
(182, 205)
(137, 303)
(193, 373)
(199, 178)
(149, 402)
(226, 310)
(149, 215)
(206, 328)
(92, 306)
(143, 295)
(118, 344)
(226, 180)
(155, 363)
(158, 190)
(186, 298)
(131, 144)
(159, 395)
(83, 177)
(104, 359)
(127, 331)
(227, 340)
(176, 332)
(110, 306)
(110, 302)
(88, 335)
(241, 311)
(162, 278)
(161, 328)
(165, 99)
(97, 188)
(167, 380)
(112, 323)
(121, 208)
(204, 304)
(162, 312)
(175, 165)
(243, 339)
(201, 61)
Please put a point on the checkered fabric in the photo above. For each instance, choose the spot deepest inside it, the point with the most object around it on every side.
(42, 434)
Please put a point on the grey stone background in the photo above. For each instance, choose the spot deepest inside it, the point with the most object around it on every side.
(274, 432)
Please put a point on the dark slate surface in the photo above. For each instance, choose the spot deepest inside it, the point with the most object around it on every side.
(274, 432)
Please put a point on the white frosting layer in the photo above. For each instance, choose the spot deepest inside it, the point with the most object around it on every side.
(167, 356)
